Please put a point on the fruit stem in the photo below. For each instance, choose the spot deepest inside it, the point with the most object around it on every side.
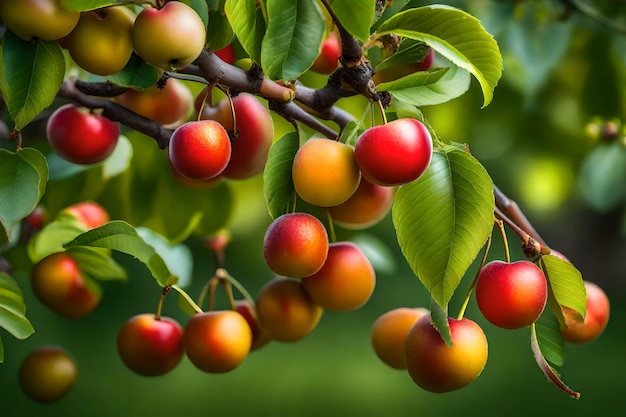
(507, 253)
(471, 288)
(166, 290)
(222, 276)
(238, 286)
(208, 98)
(382, 111)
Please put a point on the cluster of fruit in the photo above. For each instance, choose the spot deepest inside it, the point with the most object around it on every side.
(509, 295)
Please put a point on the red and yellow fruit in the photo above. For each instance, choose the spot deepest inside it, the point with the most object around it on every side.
(44, 19)
(596, 317)
(389, 333)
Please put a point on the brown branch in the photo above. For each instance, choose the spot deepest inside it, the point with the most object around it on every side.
(83, 93)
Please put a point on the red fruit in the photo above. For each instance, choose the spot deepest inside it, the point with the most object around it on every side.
(255, 133)
(511, 295)
(394, 153)
(226, 54)
(80, 135)
(150, 346)
(328, 59)
(260, 337)
(200, 150)
(88, 213)
(295, 245)
(596, 318)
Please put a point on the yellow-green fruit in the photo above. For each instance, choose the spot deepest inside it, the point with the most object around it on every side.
(47, 374)
(44, 19)
(169, 38)
(102, 42)
(325, 173)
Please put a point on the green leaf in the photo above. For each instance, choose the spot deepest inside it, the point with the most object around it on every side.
(442, 219)
(456, 35)
(13, 309)
(122, 237)
(23, 177)
(248, 23)
(119, 160)
(410, 51)
(52, 237)
(355, 15)
(377, 252)
(277, 182)
(178, 258)
(136, 74)
(549, 338)
(429, 88)
(567, 287)
(32, 74)
(98, 263)
(439, 317)
(219, 33)
(294, 33)
(87, 5)
(602, 177)
(545, 367)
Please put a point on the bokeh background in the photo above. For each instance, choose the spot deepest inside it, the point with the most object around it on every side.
(564, 74)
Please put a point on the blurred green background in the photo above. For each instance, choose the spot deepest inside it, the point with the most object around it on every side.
(561, 73)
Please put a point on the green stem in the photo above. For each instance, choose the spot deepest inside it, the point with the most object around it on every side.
(505, 242)
(331, 227)
(473, 285)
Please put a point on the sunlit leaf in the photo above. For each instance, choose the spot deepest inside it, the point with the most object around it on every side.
(23, 177)
(178, 258)
(456, 35)
(31, 75)
(248, 23)
(52, 237)
(439, 317)
(13, 309)
(567, 287)
(277, 183)
(355, 15)
(122, 237)
(429, 88)
(549, 338)
(442, 219)
(294, 34)
(98, 263)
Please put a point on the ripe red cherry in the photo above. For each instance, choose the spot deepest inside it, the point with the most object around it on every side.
(511, 295)
(200, 150)
(394, 153)
(81, 136)
(328, 59)
(596, 318)
(150, 346)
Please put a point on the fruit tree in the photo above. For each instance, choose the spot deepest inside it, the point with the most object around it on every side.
(152, 150)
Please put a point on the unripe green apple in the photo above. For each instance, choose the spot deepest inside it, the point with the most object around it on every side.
(44, 19)
(47, 374)
(171, 37)
(102, 41)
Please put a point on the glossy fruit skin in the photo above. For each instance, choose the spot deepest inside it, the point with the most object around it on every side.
(367, 206)
(596, 318)
(511, 295)
(217, 341)
(260, 337)
(44, 19)
(102, 41)
(402, 70)
(149, 346)
(38, 218)
(169, 106)
(438, 368)
(200, 150)
(328, 59)
(295, 245)
(227, 54)
(169, 38)
(346, 280)
(286, 311)
(394, 153)
(89, 214)
(80, 136)
(325, 173)
(255, 133)
(58, 283)
(47, 374)
(389, 332)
